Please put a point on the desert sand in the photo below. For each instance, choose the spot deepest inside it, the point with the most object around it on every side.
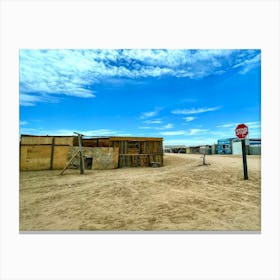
(183, 195)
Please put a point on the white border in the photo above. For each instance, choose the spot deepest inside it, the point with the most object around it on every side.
(132, 24)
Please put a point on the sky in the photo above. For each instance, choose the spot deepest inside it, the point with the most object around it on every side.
(187, 96)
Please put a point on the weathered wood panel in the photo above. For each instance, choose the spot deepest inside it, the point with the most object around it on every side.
(67, 140)
(36, 140)
(88, 143)
(60, 156)
(44, 140)
(35, 157)
(93, 142)
(105, 158)
(136, 160)
(122, 145)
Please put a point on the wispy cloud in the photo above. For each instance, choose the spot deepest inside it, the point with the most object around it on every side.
(152, 121)
(29, 100)
(226, 125)
(187, 141)
(253, 125)
(76, 72)
(197, 131)
(189, 119)
(23, 122)
(145, 127)
(174, 132)
(190, 132)
(248, 64)
(163, 127)
(67, 131)
(151, 114)
(168, 126)
(233, 125)
(194, 110)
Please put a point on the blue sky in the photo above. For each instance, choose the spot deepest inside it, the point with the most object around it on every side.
(188, 97)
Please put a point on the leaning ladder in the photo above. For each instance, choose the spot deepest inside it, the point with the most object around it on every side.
(80, 152)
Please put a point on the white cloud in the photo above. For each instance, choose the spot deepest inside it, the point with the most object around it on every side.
(191, 132)
(189, 119)
(233, 125)
(145, 127)
(151, 114)
(100, 132)
(26, 130)
(194, 111)
(173, 133)
(97, 132)
(190, 141)
(227, 125)
(168, 126)
(23, 122)
(56, 72)
(76, 72)
(148, 114)
(253, 125)
(29, 100)
(151, 121)
(248, 64)
(196, 131)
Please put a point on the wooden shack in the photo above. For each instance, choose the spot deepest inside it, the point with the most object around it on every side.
(53, 152)
(138, 151)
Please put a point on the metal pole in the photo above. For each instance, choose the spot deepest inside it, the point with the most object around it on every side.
(244, 160)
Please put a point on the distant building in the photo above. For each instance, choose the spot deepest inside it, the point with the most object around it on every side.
(195, 150)
(253, 146)
(181, 149)
(233, 146)
(225, 146)
(206, 149)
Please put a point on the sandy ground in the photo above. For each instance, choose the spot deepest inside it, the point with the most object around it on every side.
(182, 195)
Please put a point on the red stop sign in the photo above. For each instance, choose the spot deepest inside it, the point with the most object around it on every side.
(241, 131)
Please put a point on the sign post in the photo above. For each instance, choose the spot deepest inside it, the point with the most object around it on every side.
(241, 132)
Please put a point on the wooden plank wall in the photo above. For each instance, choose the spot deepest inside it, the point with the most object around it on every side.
(35, 157)
(60, 156)
(130, 160)
(47, 152)
(41, 140)
(139, 153)
(42, 153)
(97, 142)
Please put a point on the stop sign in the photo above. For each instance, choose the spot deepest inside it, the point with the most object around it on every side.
(241, 131)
